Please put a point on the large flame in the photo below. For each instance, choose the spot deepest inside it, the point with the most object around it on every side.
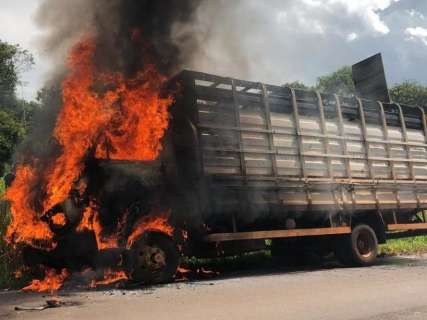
(102, 113)
(157, 223)
(26, 226)
(110, 277)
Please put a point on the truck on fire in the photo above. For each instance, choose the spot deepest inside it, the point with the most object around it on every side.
(244, 162)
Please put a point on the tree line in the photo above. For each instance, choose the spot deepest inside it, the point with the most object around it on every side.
(15, 113)
(341, 82)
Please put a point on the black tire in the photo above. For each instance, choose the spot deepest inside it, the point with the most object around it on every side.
(155, 259)
(360, 248)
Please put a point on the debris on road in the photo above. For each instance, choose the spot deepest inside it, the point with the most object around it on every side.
(51, 303)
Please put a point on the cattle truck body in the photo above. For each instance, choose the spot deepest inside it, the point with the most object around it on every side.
(260, 161)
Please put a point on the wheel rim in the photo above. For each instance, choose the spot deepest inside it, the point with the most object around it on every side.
(151, 258)
(365, 244)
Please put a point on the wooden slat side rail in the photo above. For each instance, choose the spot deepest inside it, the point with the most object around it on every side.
(328, 136)
(221, 237)
(409, 226)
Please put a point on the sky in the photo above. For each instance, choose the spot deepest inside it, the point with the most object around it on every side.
(273, 41)
(17, 26)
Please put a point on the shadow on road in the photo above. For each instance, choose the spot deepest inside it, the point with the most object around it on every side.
(262, 264)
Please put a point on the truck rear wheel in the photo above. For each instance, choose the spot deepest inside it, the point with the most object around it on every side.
(360, 248)
(155, 259)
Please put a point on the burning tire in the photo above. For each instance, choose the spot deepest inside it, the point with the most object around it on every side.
(155, 259)
(360, 248)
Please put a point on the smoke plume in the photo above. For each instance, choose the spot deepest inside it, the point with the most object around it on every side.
(129, 33)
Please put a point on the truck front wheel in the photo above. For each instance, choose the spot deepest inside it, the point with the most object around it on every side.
(360, 248)
(155, 259)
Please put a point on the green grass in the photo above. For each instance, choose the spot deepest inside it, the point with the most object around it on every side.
(405, 246)
(5, 250)
(240, 262)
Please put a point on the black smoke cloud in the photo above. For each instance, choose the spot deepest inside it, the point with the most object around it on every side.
(128, 32)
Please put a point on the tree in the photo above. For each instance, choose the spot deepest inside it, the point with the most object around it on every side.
(409, 92)
(13, 61)
(339, 82)
(11, 132)
(15, 114)
(297, 85)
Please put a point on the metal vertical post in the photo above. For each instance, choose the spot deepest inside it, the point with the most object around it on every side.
(298, 133)
(238, 125)
(342, 135)
(408, 154)
(270, 129)
(405, 138)
(386, 138)
(300, 144)
(423, 115)
(367, 148)
(344, 148)
(325, 134)
(270, 134)
(365, 138)
(244, 203)
(388, 150)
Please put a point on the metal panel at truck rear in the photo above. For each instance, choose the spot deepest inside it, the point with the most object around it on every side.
(306, 151)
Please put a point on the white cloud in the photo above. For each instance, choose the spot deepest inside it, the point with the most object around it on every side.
(415, 14)
(352, 36)
(417, 34)
(368, 11)
(279, 41)
(299, 21)
(327, 17)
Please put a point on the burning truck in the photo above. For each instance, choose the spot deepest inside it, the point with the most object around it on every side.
(147, 170)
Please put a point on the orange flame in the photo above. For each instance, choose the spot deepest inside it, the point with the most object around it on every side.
(126, 119)
(90, 222)
(135, 132)
(59, 219)
(150, 223)
(110, 277)
(82, 116)
(52, 282)
(26, 225)
(86, 222)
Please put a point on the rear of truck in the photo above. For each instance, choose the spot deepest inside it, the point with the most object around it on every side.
(267, 162)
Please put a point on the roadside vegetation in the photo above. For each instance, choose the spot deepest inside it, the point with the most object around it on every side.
(406, 246)
(5, 258)
(15, 119)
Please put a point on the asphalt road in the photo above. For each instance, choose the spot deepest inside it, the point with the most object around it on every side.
(395, 289)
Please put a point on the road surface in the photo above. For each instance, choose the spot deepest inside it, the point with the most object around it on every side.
(395, 289)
